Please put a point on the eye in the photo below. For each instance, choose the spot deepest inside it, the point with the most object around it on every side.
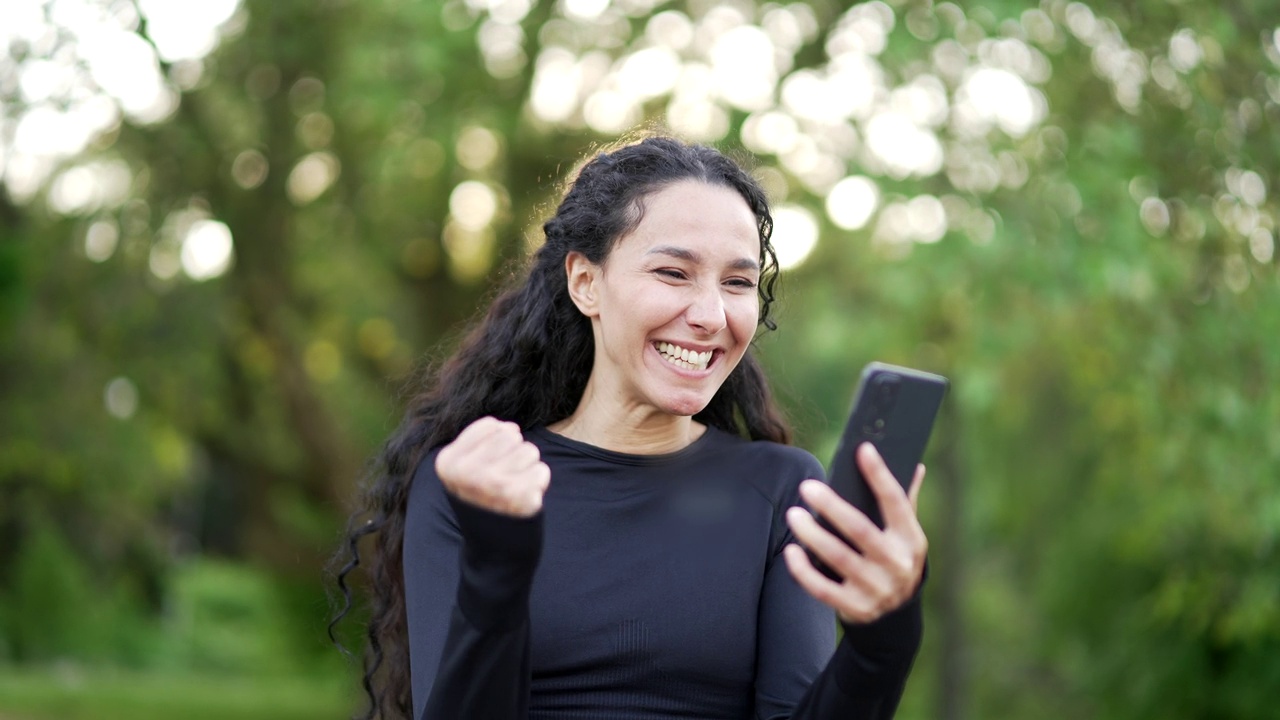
(740, 283)
(672, 273)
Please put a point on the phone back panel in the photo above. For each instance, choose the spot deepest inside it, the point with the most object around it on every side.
(898, 427)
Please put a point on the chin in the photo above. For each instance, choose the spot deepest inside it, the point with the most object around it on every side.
(685, 406)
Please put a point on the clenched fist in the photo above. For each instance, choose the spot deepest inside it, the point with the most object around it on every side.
(490, 465)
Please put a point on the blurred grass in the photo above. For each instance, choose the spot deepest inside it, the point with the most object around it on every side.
(62, 694)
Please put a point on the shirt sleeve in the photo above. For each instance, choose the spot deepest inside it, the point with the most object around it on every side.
(468, 574)
(863, 679)
(867, 674)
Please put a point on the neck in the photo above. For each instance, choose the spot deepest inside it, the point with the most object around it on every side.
(634, 430)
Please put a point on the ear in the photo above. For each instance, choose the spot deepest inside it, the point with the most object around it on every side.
(583, 277)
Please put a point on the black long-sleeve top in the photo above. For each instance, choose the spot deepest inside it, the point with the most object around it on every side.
(650, 586)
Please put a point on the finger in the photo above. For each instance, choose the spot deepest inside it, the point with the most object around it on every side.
(541, 477)
(524, 499)
(532, 452)
(843, 517)
(831, 550)
(868, 591)
(462, 444)
(531, 501)
(888, 554)
(519, 457)
(505, 447)
(894, 506)
(808, 577)
(850, 604)
(482, 445)
(889, 567)
(914, 493)
(509, 432)
(477, 432)
(519, 499)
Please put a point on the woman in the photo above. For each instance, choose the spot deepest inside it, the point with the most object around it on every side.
(592, 510)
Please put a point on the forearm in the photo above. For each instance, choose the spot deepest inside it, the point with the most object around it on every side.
(865, 678)
(481, 674)
(484, 666)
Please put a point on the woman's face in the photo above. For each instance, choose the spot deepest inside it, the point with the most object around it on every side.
(674, 307)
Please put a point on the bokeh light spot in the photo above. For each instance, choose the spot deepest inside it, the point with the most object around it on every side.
(206, 250)
(852, 201)
(649, 72)
(795, 234)
(610, 112)
(183, 30)
(698, 120)
(1262, 245)
(1154, 214)
(470, 251)
(323, 361)
(473, 205)
(312, 176)
(100, 240)
(556, 84)
(165, 260)
(315, 130)
(994, 95)
(742, 63)
(1184, 51)
(1252, 189)
(85, 188)
(121, 398)
(905, 148)
(477, 148)
(926, 218)
(670, 28)
(249, 169)
(585, 9)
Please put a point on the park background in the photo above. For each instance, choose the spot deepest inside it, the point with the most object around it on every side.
(231, 230)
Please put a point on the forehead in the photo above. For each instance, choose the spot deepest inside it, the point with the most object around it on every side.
(712, 220)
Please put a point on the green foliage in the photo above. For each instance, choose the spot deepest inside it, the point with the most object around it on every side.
(53, 609)
(68, 694)
(226, 618)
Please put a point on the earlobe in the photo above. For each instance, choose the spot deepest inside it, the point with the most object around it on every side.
(581, 275)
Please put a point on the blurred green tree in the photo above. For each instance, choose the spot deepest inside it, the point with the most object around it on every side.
(210, 302)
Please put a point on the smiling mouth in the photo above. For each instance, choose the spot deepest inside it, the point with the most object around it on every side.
(684, 358)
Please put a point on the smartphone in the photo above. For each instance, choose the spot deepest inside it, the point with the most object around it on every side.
(893, 409)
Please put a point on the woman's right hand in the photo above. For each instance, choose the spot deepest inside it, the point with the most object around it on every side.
(492, 466)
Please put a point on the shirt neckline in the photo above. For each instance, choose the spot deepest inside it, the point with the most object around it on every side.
(621, 458)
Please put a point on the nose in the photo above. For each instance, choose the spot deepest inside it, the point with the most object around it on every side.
(706, 311)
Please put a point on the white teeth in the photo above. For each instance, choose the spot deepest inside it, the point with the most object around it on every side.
(683, 357)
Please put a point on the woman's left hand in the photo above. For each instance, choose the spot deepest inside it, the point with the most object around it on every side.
(885, 569)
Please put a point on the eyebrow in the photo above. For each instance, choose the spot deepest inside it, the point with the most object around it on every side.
(693, 257)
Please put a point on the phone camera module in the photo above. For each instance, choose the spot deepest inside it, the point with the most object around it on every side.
(884, 396)
(885, 393)
(875, 427)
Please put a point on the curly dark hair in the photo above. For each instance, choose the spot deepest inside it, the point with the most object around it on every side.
(527, 361)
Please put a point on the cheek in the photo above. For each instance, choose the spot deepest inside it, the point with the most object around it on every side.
(651, 306)
(637, 310)
(743, 316)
